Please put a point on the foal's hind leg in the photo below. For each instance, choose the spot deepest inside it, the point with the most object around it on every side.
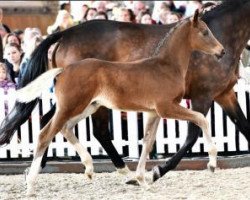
(176, 111)
(67, 132)
(148, 141)
(86, 158)
(45, 137)
(101, 132)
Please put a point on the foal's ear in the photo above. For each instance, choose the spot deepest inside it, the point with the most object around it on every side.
(195, 18)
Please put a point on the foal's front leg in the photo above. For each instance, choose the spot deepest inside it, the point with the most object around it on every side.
(148, 141)
(176, 111)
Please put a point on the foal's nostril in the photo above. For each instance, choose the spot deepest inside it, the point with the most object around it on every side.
(222, 52)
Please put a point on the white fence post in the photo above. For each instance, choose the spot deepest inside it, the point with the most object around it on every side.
(133, 134)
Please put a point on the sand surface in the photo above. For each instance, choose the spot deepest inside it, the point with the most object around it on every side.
(229, 184)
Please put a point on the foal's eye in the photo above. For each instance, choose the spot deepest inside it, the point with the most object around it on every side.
(205, 33)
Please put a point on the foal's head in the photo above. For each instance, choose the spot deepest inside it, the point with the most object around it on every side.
(202, 39)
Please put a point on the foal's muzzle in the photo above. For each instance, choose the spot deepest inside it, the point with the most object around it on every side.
(220, 55)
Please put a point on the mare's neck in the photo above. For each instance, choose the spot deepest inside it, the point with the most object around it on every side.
(241, 32)
(231, 28)
(177, 50)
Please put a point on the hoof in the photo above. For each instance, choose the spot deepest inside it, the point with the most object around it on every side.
(89, 171)
(89, 176)
(30, 192)
(123, 171)
(132, 181)
(156, 173)
(136, 182)
(210, 168)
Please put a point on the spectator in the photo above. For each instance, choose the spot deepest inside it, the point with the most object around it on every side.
(62, 22)
(159, 11)
(125, 15)
(100, 6)
(85, 8)
(127, 4)
(34, 41)
(163, 15)
(192, 6)
(2, 32)
(5, 83)
(11, 38)
(13, 57)
(101, 15)
(172, 18)
(90, 14)
(145, 17)
(66, 6)
(1, 50)
(29, 34)
(139, 6)
(110, 5)
(19, 33)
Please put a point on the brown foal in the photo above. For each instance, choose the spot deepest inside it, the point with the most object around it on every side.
(154, 85)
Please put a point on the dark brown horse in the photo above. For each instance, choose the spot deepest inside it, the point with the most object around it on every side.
(153, 85)
(207, 79)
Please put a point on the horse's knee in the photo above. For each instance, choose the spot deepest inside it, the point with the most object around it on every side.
(43, 142)
(42, 146)
(201, 121)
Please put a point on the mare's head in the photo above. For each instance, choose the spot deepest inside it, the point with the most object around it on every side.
(202, 39)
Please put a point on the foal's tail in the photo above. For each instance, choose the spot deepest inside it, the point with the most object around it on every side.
(37, 65)
(35, 88)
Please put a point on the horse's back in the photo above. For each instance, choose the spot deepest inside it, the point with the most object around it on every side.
(108, 40)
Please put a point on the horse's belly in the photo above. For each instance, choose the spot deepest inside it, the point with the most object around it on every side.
(123, 104)
(107, 102)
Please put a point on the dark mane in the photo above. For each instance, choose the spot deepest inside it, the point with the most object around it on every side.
(167, 35)
(227, 6)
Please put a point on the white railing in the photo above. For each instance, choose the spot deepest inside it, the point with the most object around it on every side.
(23, 147)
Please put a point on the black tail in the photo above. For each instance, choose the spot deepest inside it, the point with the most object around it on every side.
(37, 65)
